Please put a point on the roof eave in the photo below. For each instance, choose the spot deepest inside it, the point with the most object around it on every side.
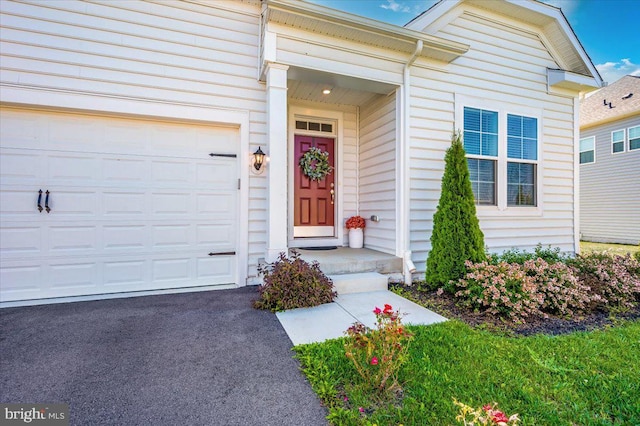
(563, 79)
(433, 47)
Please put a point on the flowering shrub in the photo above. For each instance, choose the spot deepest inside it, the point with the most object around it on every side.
(293, 283)
(615, 279)
(355, 222)
(535, 288)
(487, 415)
(378, 354)
(550, 255)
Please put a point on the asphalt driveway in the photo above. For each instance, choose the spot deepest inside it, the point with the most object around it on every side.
(203, 358)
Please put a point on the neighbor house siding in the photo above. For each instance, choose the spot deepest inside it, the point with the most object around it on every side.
(610, 188)
(172, 52)
(378, 173)
(505, 66)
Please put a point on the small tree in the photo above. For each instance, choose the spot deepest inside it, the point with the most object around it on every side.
(456, 233)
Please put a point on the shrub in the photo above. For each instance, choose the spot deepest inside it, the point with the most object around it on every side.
(293, 283)
(636, 255)
(514, 291)
(562, 292)
(550, 255)
(378, 354)
(456, 235)
(615, 279)
(503, 290)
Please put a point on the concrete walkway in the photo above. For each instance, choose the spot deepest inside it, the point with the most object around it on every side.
(330, 321)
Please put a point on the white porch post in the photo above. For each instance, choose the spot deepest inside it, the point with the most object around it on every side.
(277, 167)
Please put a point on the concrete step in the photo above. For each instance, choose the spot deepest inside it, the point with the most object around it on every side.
(360, 282)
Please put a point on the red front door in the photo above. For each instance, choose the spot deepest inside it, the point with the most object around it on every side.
(314, 208)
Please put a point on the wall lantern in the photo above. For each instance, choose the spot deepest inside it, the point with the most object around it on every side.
(258, 159)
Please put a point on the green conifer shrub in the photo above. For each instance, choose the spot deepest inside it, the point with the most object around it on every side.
(456, 233)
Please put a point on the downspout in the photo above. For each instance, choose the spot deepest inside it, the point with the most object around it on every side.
(405, 160)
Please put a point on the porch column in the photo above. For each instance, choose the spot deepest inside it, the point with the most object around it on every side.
(277, 167)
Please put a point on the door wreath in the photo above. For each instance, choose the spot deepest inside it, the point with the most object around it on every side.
(315, 164)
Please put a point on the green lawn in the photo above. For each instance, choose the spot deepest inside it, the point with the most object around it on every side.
(577, 379)
(586, 246)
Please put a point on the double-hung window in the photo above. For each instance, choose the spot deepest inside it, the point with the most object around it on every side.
(588, 150)
(502, 154)
(617, 141)
(634, 138)
(522, 154)
(481, 145)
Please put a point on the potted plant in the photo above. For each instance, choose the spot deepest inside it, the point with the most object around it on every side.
(355, 225)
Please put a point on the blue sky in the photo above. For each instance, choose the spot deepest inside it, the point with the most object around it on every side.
(608, 29)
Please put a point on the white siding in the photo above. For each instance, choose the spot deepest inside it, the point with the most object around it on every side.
(610, 188)
(378, 173)
(506, 66)
(171, 52)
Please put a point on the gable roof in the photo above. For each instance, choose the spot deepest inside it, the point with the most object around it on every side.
(595, 109)
(553, 25)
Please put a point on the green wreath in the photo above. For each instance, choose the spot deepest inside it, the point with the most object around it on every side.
(315, 164)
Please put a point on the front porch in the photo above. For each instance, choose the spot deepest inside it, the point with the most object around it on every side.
(345, 260)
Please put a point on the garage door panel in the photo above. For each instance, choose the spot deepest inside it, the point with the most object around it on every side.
(171, 203)
(218, 269)
(19, 203)
(20, 166)
(20, 240)
(124, 238)
(119, 170)
(176, 269)
(216, 206)
(217, 237)
(217, 172)
(69, 169)
(124, 203)
(171, 236)
(135, 205)
(72, 239)
(125, 274)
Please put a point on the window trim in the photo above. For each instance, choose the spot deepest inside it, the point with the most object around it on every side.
(594, 149)
(503, 108)
(623, 141)
(629, 137)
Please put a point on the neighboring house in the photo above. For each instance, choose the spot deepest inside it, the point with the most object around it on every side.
(140, 119)
(610, 163)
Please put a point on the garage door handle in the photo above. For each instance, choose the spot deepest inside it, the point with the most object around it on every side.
(224, 253)
(39, 201)
(46, 202)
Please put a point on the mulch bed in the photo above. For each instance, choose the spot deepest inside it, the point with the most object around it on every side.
(445, 305)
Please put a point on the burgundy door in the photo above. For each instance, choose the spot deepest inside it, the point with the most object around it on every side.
(314, 200)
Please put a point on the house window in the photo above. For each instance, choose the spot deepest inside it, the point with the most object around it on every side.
(481, 145)
(634, 138)
(522, 154)
(617, 141)
(587, 150)
(496, 152)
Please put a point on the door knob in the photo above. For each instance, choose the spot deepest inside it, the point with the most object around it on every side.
(333, 195)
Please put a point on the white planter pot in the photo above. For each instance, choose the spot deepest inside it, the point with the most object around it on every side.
(356, 238)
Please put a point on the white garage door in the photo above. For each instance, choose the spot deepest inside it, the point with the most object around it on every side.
(134, 205)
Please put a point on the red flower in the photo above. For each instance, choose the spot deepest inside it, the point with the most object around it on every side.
(387, 309)
(355, 222)
(377, 311)
(487, 407)
(500, 417)
(374, 361)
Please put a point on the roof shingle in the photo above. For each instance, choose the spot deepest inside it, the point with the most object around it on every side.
(596, 110)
